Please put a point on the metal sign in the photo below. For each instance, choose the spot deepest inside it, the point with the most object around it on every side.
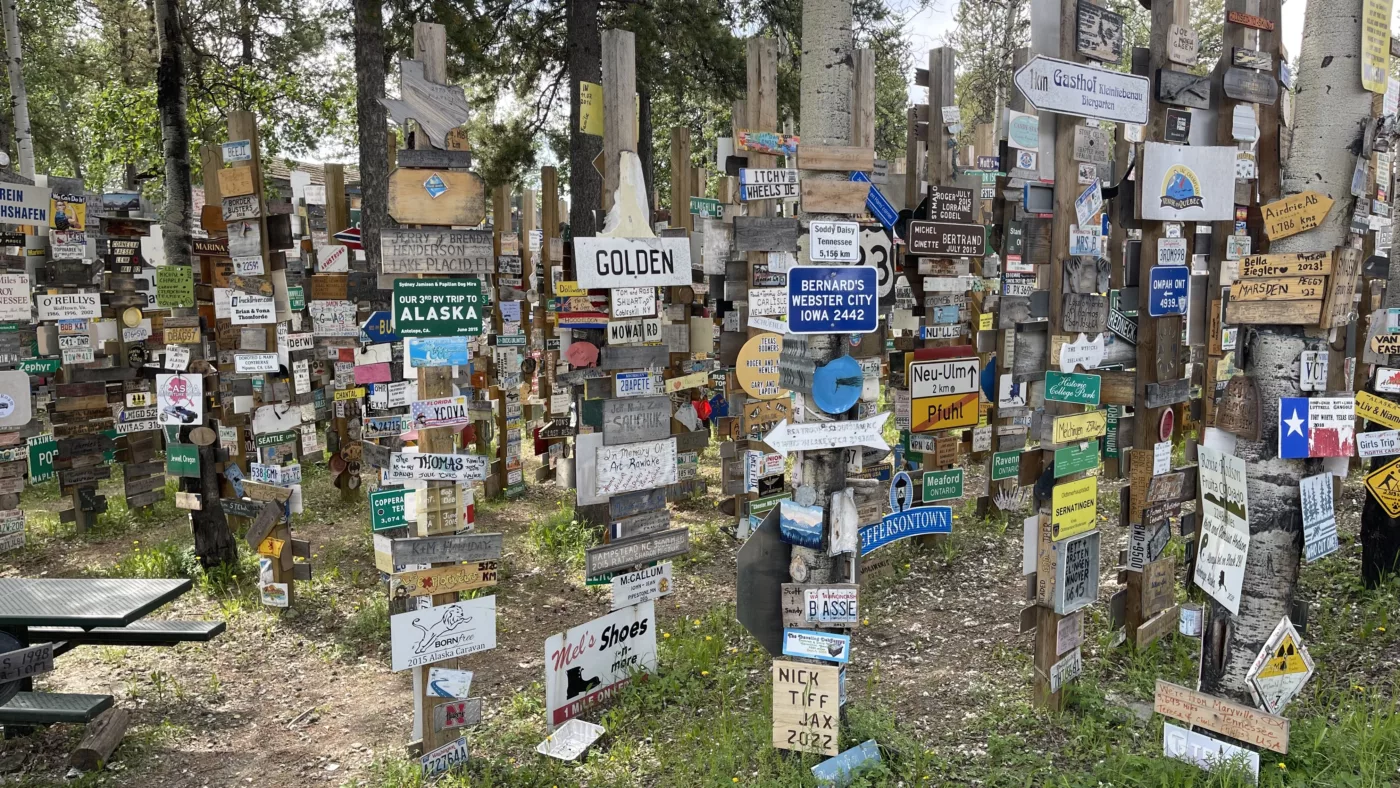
(816, 436)
(1281, 669)
(824, 300)
(906, 520)
(1169, 289)
(1054, 85)
(632, 262)
(941, 239)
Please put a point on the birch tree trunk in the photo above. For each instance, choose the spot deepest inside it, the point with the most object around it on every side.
(19, 99)
(213, 541)
(585, 65)
(828, 58)
(1332, 111)
(373, 126)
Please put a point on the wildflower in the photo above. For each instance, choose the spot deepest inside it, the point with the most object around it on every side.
(665, 634)
(1283, 766)
(865, 621)
(736, 779)
(707, 637)
(704, 672)
(1380, 629)
(697, 622)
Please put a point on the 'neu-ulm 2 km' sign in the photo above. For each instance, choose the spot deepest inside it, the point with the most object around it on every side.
(832, 300)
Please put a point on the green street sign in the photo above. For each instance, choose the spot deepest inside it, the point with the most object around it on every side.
(40, 366)
(1006, 465)
(297, 297)
(274, 439)
(1073, 387)
(182, 459)
(706, 208)
(1077, 457)
(1110, 438)
(438, 307)
(386, 510)
(42, 451)
(942, 485)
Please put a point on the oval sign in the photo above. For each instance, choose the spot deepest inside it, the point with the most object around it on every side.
(836, 386)
(757, 367)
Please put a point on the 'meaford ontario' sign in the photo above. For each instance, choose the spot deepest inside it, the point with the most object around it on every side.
(1053, 85)
(632, 262)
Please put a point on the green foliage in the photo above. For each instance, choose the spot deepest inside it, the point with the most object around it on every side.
(561, 537)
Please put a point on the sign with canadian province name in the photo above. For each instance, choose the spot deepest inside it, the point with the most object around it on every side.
(632, 262)
(831, 300)
(589, 663)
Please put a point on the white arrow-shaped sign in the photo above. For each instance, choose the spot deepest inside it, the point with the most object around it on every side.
(828, 435)
(1052, 85)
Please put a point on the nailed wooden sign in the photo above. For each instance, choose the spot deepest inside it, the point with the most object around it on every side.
(1292, 313)
(430, 157)
(1222, 716)
(765, 234)
(833, 606)
(1168, 392)
(633, 503)
(449, 197)
(443, 579)
(252, 285)
(236, 181)
(1098, 33)
(436, 108)
(1183, 89)
(444, 549)
(407, 251)
(845, 197)
(1158, 586)
(1155, 628)
(1290, 288)
(1267, 266)
(75, 476)
(1166, 487)
(1338, 306)
(1084, 313)
(633, 419)
(456, 714)
(1295, 214)
(244, 206)
(1244, 84)
(631, 552)
(806, 707)
(1183, 46)
(1252, 58)
(641, 524)
(1238, 410)
(328, 287)
(1249, 20)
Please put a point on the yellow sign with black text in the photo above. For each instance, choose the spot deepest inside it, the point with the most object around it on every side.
(1074, 507)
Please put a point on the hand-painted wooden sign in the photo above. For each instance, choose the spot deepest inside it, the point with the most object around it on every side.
(1099, 33)
(633, 552)
(447, 197)
(1249, 20)
(806, 707)
(1295, 214)
(436, 108)
(1183, 46)
(1222, 716)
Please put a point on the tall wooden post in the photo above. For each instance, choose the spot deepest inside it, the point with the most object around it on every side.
(549, 358)
(337, 220)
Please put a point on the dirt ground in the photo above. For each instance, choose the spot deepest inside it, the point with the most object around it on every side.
(307, 697)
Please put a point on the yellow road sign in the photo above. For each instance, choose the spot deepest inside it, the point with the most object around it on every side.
(1384, 484)
(1377, 409)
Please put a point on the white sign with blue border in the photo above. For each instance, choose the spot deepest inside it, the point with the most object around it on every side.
(832, 300)
(826, 646)
(1169, 288)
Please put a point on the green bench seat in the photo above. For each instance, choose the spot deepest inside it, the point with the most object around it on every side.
(42, 708)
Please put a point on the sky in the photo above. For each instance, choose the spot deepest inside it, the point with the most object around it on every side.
(928, 28)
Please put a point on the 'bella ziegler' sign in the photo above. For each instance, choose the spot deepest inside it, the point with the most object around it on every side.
(632, 262)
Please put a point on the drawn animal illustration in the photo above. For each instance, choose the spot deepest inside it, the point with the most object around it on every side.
(451, 620)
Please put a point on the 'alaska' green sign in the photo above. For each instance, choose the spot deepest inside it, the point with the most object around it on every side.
(1073, 387)
(438, 307)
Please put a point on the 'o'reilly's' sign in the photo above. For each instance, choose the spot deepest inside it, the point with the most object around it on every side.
(632, 262)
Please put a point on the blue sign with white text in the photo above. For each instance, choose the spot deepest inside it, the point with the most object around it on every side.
(379, 328)
(876, 202)
(919, 521)
(1169, 288)
(832, 300)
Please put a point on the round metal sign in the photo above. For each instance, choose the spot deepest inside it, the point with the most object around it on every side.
(131, 317)
(1166, 425)
(757, 366)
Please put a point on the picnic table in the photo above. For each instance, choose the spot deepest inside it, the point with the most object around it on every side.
(72, 612)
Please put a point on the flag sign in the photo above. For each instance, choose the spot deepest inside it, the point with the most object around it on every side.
(1316, 427)
(1281, 669)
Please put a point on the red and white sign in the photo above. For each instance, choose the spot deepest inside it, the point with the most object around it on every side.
(591, 662)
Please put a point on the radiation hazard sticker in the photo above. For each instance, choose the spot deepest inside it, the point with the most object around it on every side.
(1281, 669)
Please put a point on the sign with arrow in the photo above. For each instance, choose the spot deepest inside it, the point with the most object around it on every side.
(1053, 85)
(828, 435)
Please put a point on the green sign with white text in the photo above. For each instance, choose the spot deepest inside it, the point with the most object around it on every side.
(942, 485)
(297, 298)
(706, 208)
(438, 307)
(182, 460)
(42, 451)
(1072, 387)
(386, 510)
(1077, 457)
(39, 366)
(1006, 465)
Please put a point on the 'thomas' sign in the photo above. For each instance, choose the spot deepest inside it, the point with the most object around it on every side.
(632, 262)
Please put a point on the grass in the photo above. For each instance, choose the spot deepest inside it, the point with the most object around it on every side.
(560, 537)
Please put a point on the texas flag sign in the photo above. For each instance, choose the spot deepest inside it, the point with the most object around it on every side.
(1316, 427)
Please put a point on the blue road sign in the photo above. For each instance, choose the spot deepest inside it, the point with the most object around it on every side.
(832, 300)
(879, 207)
(1169, 287)
(918, 521)
(379, 328)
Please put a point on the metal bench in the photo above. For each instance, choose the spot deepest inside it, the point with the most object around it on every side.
(137, 633)
(41, 708)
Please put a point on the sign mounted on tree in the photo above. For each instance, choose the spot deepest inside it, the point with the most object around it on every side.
(1054, 85)
(1281, 669)
(1295, 214)
(1188, 182)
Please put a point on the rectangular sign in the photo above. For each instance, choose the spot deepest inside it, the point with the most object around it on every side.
(439, 467)
(806, 707)
(434, 634)
(1222, 716)
(942, 239)
(632, 262)
(824, 300)
(589, 663)
(438, 307)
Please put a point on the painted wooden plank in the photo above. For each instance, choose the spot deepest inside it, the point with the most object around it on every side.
(1293, 313)
(765, 234)
(460, 200)
(835, 158)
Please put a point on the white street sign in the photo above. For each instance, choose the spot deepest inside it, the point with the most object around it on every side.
(1052, 85)
(828, 435)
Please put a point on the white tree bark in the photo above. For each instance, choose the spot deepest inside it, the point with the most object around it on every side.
(1332, 110)
(19, 99)
(828, 63)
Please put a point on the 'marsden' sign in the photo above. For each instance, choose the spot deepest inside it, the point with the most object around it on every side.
(632, 262)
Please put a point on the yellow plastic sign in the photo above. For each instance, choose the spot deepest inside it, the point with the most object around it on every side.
(757, 366)
(1377, 409)
(590, 109)
(1285, 661)
(1384, 484)
(1074, 507)
(1080, 427)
